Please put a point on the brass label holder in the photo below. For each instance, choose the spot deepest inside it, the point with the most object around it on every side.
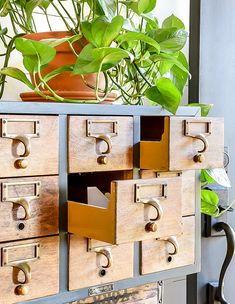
(24, 202)
(5, 261)
(23, 138)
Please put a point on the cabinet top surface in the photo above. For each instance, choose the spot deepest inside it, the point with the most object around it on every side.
(12, 107)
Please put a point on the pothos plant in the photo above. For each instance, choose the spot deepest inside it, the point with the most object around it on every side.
(210, 202)
(138, 58)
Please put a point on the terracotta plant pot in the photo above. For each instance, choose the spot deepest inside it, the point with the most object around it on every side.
(65, 84)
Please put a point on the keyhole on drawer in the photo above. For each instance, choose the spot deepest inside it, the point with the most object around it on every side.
(21, 226)
(102, 273)
(170, 259)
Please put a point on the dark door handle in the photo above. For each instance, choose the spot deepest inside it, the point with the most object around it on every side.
(230, 236)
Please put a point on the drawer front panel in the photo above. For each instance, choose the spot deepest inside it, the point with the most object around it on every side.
(29, 269)
(100, 143)
(86, 264)
(135, 210)
(28, 145)
(171, 252)
(28, 207)
(188, 187)
(190, 137)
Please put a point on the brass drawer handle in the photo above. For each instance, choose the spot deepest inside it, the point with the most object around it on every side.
(25, 268)
(107, 139)
(155, 203)
(199, 158)
(107, 253)
(27, 145)
(24, 202)
(173, 240)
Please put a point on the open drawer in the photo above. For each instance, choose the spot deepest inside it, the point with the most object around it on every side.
(181, 143)
(134, 210)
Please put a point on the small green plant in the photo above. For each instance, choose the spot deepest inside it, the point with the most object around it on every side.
(209, 198)
(138, 58)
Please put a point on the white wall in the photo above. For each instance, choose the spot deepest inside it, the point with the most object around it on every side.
(164, 8)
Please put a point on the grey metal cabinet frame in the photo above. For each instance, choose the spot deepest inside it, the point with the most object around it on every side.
(64, 110)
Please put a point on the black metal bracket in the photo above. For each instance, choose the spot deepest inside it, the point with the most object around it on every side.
(216, 289)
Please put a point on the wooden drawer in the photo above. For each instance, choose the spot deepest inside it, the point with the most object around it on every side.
(29, 269)
(180, 143)
(99, 143)
(28, 207)
(188, 187)
(135, 210)
(94, 263)
(172, 252)
(28, 145)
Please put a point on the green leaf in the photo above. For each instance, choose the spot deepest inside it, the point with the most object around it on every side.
(165, 94)
(104, 32)
(106, 8)
(45, 4)
(173, 21)
(209, 202)
(178, 75)
(170, 59)
(101, 32)
(220, 176)
(171, 40)
(205, 177)
(5, 8)
(29, 8)
(55, 42)
(138, 37)
(3, 31)
(63, 69)
(205, 108)
(17, 74)
(34, 52)
(143, 6)
(92, 59)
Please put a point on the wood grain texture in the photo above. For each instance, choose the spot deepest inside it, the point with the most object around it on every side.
(188, 187)
(45, 272)
(144, 294)
(132, 217)
(124, 220)
(84, 268)
(182, 148)
(43, 158)
(155, 253)
(44, 210)
(84, 150)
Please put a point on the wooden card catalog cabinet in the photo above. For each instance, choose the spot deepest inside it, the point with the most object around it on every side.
(29, 269)
(28, 145)
(94, 263)
(99, 143)
(181, 143)
(28, 207)
(136, 210)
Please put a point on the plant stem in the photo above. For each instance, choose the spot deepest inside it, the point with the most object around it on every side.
(142, 75)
